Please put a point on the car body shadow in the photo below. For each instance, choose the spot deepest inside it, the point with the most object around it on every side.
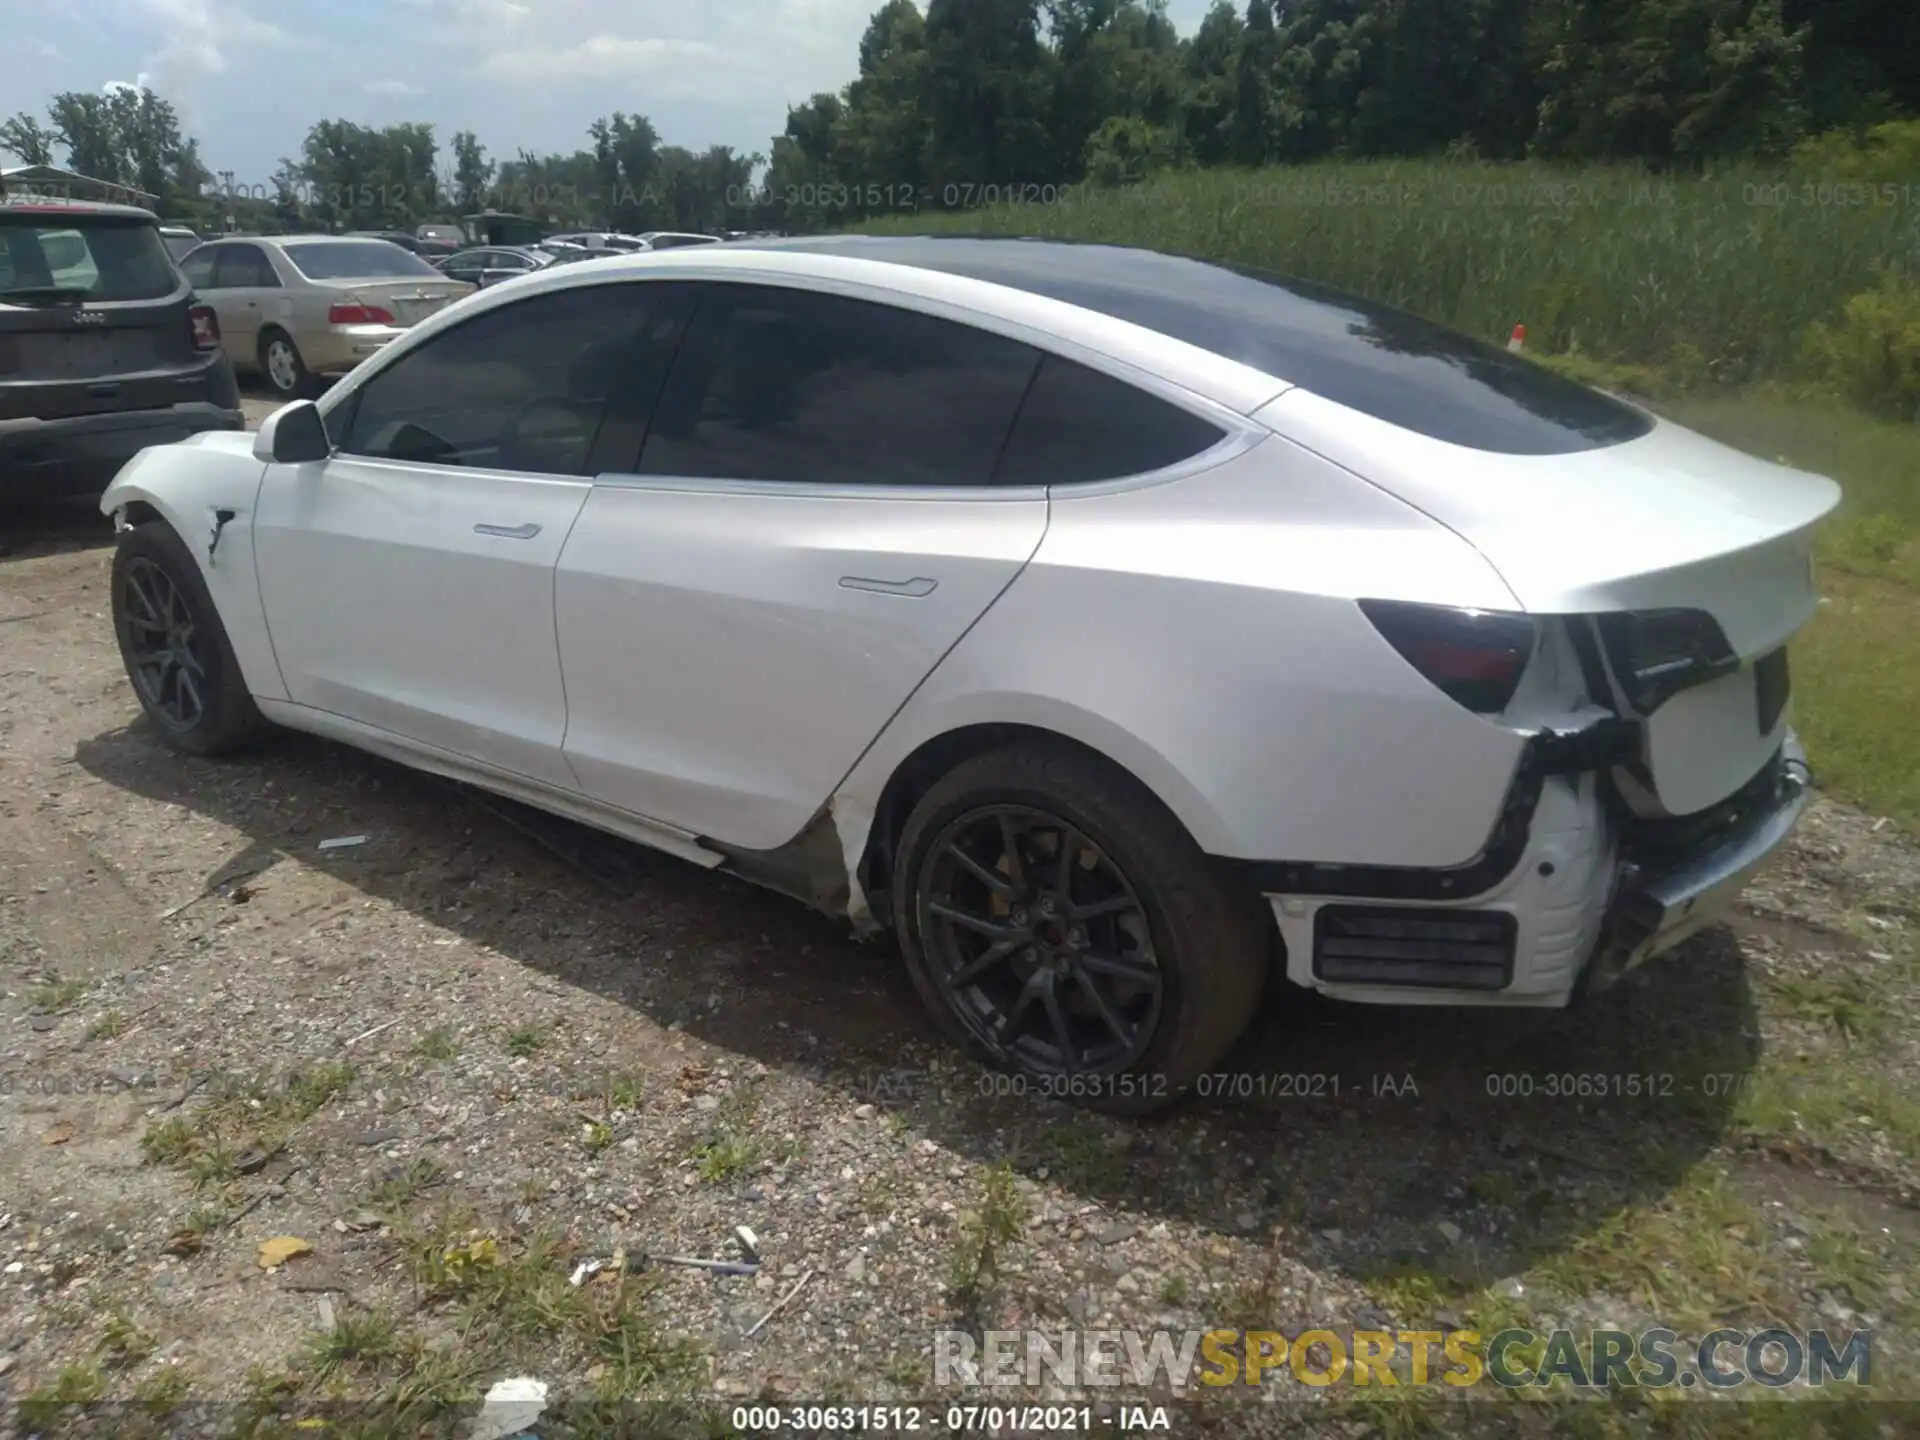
(30, 529)
(1383, 1139)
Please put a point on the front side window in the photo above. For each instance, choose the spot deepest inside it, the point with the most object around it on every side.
(199, 268)
(244, 267)
(787, 385)
(527, 387)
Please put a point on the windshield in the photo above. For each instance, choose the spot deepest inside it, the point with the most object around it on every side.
(92, 259)
(356, 260)
(179, 245)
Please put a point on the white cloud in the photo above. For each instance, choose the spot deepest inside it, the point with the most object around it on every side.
(391, 87)
(139, 82)
(601, 57)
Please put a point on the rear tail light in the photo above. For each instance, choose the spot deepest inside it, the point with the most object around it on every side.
(1476, 656)
(206, 327)
(1658, 653)
(359, 315)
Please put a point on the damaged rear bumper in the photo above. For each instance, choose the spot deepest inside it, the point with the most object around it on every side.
(1665, 895)
(1580, 892)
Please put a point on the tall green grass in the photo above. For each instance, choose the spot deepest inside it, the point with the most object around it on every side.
(1719, 275)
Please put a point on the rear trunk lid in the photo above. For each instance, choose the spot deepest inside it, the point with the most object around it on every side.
(369, 271)
(408, 301)
(1667, 521)
(93, 316)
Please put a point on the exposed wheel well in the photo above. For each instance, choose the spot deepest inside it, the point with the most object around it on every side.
(138, 512)
(914, 775)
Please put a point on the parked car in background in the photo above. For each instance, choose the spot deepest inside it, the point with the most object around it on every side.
(1123, 632)
(599, 240)
(489, 265)
(674, 239)
(179, 240)
(299, 308)
(404, 239)
(423, 246)
(104, 348)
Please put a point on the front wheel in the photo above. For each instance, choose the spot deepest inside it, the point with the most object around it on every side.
(174, 647)
(1061, 923)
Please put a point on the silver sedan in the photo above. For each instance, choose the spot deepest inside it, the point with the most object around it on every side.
(302, 308)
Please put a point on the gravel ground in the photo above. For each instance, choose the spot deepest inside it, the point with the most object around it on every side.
(633, 1055)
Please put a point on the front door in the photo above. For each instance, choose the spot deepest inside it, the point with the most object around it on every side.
(408, 579)
(245, 291)
(810, 527)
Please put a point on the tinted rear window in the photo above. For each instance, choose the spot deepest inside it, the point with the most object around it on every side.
(100, 259)
(356, 260)
(1384, 362)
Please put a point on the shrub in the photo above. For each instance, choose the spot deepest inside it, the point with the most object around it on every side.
(1872, 352)
(1125, 149)
(1886, 154)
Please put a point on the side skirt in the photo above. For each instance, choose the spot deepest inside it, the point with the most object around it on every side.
(435, 761)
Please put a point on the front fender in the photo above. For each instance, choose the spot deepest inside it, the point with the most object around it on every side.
(191, 486)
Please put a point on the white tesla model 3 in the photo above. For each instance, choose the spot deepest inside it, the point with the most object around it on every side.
(1114, 628)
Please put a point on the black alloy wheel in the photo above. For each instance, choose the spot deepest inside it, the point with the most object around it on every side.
(164, 645)
(1040, 943)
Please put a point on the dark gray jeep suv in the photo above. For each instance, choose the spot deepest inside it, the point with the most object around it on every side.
(104, 349)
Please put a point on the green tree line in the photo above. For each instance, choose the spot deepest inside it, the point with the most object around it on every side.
(356, 177)
(1016, 95)
(968, 99)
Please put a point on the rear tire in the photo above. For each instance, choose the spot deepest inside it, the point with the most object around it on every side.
(286, 371)
(175, 649)
(1112, 980)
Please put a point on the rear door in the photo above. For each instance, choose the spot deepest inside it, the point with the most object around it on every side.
(93, 316)
(810, 526)
(408, 578)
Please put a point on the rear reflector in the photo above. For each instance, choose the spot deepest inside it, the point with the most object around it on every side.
(359, 315)
(1396, 945)
(1476, 656)
(206, 327)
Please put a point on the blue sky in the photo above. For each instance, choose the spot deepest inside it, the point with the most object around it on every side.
(249, 76)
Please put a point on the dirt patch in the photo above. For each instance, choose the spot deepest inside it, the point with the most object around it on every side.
(459, 1066)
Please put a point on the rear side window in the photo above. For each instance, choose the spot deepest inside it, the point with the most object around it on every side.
(99, 260)
(791, 385)
(356, 260)
(1078, 425)
(244, 267)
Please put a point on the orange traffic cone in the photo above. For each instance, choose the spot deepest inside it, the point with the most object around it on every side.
(1518, 340)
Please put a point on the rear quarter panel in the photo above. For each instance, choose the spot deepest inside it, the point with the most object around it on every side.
(186, 484)
(1202, 634)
